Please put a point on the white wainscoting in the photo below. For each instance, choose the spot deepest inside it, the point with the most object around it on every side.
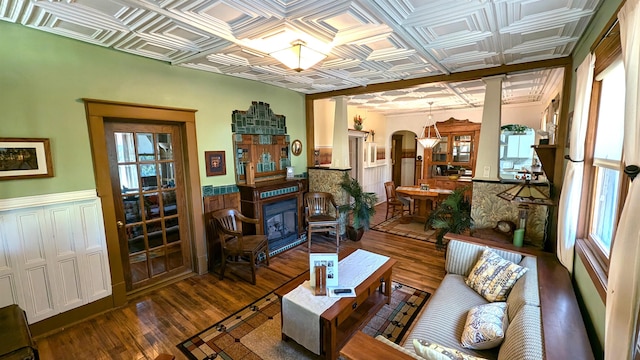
(53, 253)
(374, 179)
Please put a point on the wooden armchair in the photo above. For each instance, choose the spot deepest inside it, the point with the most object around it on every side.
(236, 247)
(319, 217)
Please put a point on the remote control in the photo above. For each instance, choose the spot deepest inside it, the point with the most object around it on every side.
(342, 291)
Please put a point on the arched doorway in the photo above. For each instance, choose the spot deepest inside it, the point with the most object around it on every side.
(403, 158)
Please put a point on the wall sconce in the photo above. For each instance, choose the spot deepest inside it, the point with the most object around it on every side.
(427, 141)
(298, 56)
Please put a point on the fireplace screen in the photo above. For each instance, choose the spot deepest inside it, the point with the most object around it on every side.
(281, 223)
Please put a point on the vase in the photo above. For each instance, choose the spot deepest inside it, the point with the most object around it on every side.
(358, 127)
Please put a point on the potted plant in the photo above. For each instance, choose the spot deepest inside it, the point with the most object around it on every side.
(362, 207)
(452, 215)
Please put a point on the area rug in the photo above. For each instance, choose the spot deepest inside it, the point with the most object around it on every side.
(254, 332)
(414, 230)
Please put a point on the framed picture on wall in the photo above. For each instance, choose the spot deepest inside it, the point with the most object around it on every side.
(215, 162)
(23, 158)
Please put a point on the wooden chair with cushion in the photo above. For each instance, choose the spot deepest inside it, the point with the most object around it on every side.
(395, 203)
(236, 247)
(321, 214)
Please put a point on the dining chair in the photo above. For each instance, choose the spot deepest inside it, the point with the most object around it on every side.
(237, 247)
(321, 215)
(394, 202)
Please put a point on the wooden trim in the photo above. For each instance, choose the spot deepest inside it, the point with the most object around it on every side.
(97, 111)
(563, 128)
(609, 50)
(310, 129)
(606, 29)
(454, 77)
(56, 323)
(362, 346)
(595, 268)
(587, 186)
(134, 105)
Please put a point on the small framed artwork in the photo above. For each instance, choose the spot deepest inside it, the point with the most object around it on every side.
(216, 163)
(330, 260)
(24, 158)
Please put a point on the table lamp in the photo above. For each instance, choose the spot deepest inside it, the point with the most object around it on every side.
(525, 195)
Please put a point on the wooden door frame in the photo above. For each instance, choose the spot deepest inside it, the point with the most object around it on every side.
(97, 111)
(396, 167)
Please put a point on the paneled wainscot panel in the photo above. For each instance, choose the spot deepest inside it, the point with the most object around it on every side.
(57, 257)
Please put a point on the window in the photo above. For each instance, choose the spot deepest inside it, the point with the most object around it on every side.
(607, 158)
(516, 154)
(605, 185)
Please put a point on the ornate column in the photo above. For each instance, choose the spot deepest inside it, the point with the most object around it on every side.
(488, 162)
(340, 153)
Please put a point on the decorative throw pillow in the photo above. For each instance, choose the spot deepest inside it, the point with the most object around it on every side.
(493, 277)
(485, 326)
(432, 351)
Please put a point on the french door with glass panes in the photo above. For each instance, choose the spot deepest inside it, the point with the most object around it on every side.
(146, 167)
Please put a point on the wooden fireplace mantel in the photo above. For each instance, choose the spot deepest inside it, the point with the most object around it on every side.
(254, 197)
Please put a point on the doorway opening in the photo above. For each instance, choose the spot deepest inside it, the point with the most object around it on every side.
(403, 158)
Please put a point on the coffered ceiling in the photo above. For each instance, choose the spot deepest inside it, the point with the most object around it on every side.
(367, 41)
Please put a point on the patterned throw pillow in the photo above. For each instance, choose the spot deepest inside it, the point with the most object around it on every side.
(493, 277)
(485, 326)
(432, 351)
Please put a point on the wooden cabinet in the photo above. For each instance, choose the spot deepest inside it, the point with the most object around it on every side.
(260, 157)
(457, 149)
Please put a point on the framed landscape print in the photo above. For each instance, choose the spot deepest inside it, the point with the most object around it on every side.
(23, 158)
(216, 164)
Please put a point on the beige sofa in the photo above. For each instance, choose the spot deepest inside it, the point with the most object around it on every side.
(544, 319)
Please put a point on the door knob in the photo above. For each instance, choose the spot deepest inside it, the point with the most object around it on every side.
(120, 224)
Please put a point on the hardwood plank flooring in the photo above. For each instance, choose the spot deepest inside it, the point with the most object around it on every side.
(154, 322)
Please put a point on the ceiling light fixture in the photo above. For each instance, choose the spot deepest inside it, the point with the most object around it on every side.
(298, 56)
(427, 141)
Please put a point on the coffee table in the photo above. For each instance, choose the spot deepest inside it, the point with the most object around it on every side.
(339, 322)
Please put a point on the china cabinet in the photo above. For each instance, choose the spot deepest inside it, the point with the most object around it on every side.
(455, 152)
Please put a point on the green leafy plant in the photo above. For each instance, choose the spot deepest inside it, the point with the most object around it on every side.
(452, 215)
(363, 206)
(519, 129)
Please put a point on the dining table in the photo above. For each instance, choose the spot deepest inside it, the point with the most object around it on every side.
(425, 199)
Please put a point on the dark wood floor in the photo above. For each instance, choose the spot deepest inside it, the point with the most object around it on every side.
(156, 322)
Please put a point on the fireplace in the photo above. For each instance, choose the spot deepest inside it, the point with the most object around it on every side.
(278, 206)
(281, 223)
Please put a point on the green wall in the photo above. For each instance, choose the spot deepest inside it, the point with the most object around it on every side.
(43, 78)
(584, 286)
(593, 305)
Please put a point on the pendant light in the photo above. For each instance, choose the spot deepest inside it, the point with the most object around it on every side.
(427, 141)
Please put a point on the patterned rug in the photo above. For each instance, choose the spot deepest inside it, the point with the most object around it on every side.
(254, 332)
(414, 230)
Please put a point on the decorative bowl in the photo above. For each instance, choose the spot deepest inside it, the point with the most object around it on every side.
(454, 176)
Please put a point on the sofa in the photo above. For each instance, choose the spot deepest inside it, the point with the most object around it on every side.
(544, 320)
